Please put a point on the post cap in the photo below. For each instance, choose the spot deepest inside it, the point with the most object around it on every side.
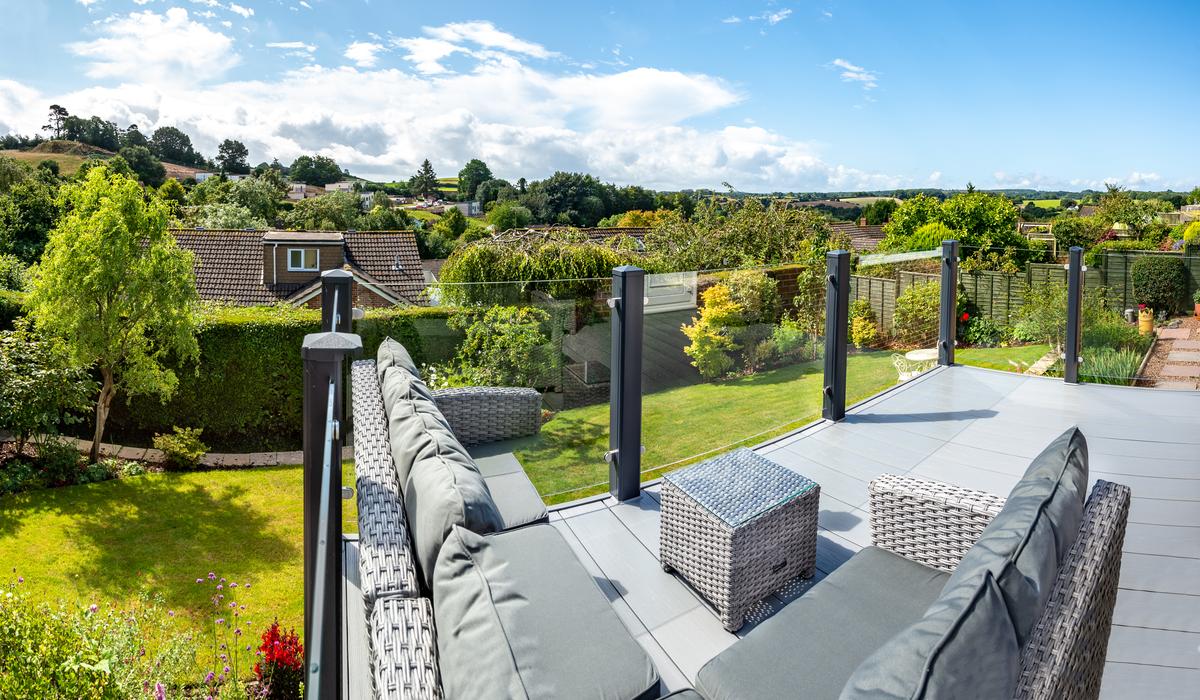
(628, 270)
(336, 274)
(330, 346)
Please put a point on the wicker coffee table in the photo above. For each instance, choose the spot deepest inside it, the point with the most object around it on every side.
(737, 528)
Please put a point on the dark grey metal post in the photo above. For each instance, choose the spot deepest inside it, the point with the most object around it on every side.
(323, 354)
(625, 387)
(948, 326)
(837, 315)
(336, 302)
(1071, 344)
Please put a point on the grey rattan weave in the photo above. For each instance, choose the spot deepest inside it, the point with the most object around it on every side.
(405, 650)
(1064, 658)
(481, 414)
(927, 521)
(385, 557)
(737, 528)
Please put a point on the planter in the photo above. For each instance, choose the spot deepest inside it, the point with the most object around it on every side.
(1198, 309)
(1145, 321)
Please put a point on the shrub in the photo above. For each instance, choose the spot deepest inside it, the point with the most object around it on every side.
(503, 346)
(710, 333)
(183, 448)
(982, 332)
(916, 315)
(1191, 234)
(280, 665)
(789, 338)
(1109, 366)
(93, 473)
(67, 652)
(755, 293)
(39, 391)
(1097, 253)
(1116, 334)
(1070, 230)
(864, 331)
(19, 475)
(1159, 281)
(13, 274)
(929, 236)
(59, 462)
(12, 307)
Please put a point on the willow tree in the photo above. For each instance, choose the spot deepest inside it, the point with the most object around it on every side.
(117, 290)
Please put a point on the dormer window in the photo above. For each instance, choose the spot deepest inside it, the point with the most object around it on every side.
(303, 259)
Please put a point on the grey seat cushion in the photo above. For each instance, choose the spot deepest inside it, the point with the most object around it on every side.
(518, 616)
(811, 647)
(515, 495)
(442, 486)
(969, 641)
(393, 354)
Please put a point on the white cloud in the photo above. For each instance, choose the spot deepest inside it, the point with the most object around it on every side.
(156, 48)
(87, 3)
(363, 53)
(245, 12)
(525, 119)
(141, 2)
(858, 74)
(305, 5)
(733, 19)
(935, 177)
(775, 17)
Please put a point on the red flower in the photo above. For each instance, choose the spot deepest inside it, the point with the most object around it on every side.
(966, 316)
(1142, 307)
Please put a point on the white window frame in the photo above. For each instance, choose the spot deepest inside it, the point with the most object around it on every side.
(301, 268)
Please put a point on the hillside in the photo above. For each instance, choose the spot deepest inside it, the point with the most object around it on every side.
(70, 155)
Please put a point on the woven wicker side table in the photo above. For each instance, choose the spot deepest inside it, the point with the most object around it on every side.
(737, 528)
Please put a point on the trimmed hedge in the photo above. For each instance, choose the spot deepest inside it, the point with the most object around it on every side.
(246, 392)
(1160, 282)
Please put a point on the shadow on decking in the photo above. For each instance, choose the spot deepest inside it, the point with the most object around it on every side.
(930, 417)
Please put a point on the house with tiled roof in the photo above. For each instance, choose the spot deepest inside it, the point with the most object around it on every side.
(250, 268)
(862, 237)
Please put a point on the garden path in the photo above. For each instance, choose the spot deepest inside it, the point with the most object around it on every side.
(1175, 362)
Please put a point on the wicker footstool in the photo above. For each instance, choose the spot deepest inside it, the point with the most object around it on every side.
(737, 528)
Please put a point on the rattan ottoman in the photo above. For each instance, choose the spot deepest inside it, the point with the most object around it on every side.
(737, 528)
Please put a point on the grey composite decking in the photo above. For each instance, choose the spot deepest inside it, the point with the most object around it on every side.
(973, 427)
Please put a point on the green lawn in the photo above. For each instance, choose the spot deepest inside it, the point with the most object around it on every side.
(1044, 203)
(999, 358)
(104, 542)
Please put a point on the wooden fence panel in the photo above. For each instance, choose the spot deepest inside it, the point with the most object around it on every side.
(880, 292)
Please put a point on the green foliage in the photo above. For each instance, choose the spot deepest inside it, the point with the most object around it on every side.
(1096, 254)
(28, 211)
(978, 220)
(503, 346)
(495, 190)
(335, 211)
(474, 173)
(231, 157)
(712, 333)
(509, 215)
(315, 170)
(382, 218)
(13, 273)
(1160, 282)
(878, 212)
(432, 244)
(864, 329)
(452, 224)
(790, 340)
(1070, 230)
(424, 182)
(247, 386)
(1118, 207)
(1109, 330)
(173, 193)
(148, 169)
(71, 652)
(916, 315)
(755, 293)
(171, 144)
(930, 236)
(912, 214)
(1110, 366)
(1191, 234)
(39, 390)
(183, 447)
(738, 313)
(982, 332)
(12, 307)
(115, 288)
(58, 461)
(222, 216)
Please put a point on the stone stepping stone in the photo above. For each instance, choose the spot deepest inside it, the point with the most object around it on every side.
(1183, 356)
(1176, 386)
(1181, 371)
(1186, 345)
(1175, 334)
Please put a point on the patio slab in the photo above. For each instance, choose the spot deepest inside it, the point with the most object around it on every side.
(1181, 371)
(1183, 356)
(1186, 345)
(1174, 334)
(132, 453)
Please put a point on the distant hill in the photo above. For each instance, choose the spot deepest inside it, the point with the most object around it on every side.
(70, 155)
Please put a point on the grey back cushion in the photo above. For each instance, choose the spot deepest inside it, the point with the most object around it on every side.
(969, 642)
(442, 486)
(393, 354)
(518, 616)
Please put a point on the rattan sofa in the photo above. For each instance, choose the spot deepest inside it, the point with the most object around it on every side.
(538, 588)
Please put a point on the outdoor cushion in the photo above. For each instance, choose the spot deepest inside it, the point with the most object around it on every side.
(393, 354)
(969, 641)
(810, 647)
(442, 487)
(515, 495)
(518, 616)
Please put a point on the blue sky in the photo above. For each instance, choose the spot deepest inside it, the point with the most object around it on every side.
(816, 95)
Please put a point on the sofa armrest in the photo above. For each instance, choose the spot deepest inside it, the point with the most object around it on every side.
(483, 414)
(928, 522)
(404, 650)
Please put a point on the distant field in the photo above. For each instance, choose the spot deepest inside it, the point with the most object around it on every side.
(1044, 203)
(67, 164)
(863, 201)
(422, 214)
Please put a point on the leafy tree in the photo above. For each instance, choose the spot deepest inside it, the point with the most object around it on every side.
(115, 288)
(12, 171)
(39, 389)
(49, 166)
(115, 165)
(132, 136)
(214, 190)
(149, 169)
(637, 218)
(425, 182)
(452, 224)
(315, 170)
(336, 211)
(381, 199)
(27, 214)
(223, 215)
(1194, 196)
(171, 144)
(908, 217)
(470, 177)
(879, 211)
(384, 219)
(13, 273)
(172, 193)
(495, 190)
(58, 115)
(576, 199)
(1118, 206)
(260, 195)
(504, 346)
(231, 156)
(751, 235)
(433, 244)
(509, 215)
(1070, 230)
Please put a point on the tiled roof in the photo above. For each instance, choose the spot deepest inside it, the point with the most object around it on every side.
(861, 237)
(229, 264)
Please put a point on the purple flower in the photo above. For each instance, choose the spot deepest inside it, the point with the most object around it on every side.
(220, 620)
(20, 579)
(233, 585)
(170, 613)
(199, 580)
(246, 585)
(160, 693)
(93, 607)
(208, 678)
(212, 576)
(238, 632)
(226, 669)
(219, 586)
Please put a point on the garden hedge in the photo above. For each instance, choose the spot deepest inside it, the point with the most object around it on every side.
(1160, 282)
(246, 391)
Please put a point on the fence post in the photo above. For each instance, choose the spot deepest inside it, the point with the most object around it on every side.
(336, 302)
(624, 454)
(323, 354)
(837, 315)
(948, 326)
(1071, 344)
